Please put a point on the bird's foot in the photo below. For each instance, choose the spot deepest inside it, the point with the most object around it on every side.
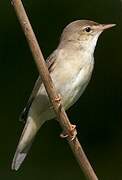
(58, 100)
(72, 132)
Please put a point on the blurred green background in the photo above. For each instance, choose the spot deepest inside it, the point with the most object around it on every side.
(97, 114)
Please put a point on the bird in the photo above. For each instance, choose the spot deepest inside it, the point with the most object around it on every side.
(70, 65)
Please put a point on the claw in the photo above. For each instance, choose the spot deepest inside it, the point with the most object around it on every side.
(58, 98)
(71, 133)
(63, 135)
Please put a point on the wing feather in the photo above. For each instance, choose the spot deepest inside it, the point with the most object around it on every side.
(50, 63)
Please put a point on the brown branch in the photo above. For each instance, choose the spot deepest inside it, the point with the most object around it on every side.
(50, 88)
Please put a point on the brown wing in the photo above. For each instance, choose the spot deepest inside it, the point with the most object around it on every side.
(50, 62)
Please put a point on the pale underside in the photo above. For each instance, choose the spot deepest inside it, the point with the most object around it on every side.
(70, 84)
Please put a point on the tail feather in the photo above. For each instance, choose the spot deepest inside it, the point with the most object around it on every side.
(25, 143)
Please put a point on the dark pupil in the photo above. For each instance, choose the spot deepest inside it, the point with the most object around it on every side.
(88, 29)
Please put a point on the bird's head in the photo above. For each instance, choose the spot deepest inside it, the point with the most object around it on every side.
(84, 32)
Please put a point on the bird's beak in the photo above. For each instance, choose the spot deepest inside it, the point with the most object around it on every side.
(102, 27)
(107, 26)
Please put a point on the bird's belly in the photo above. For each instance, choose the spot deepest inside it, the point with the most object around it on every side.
(76, 86)
(70, 88)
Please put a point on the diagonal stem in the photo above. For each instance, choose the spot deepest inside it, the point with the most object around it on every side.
(50, 88)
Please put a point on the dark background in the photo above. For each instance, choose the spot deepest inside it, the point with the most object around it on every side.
(98, 112)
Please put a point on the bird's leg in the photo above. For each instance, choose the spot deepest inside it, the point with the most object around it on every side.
(72, 132)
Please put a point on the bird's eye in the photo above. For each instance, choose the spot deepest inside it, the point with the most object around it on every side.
(87, 29)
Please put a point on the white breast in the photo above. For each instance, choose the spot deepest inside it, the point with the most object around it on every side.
(76, 87)
(72, 76)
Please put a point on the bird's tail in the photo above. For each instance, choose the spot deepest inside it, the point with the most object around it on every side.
(25, 142)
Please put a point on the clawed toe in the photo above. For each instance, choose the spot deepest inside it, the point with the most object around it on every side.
(71, 133)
